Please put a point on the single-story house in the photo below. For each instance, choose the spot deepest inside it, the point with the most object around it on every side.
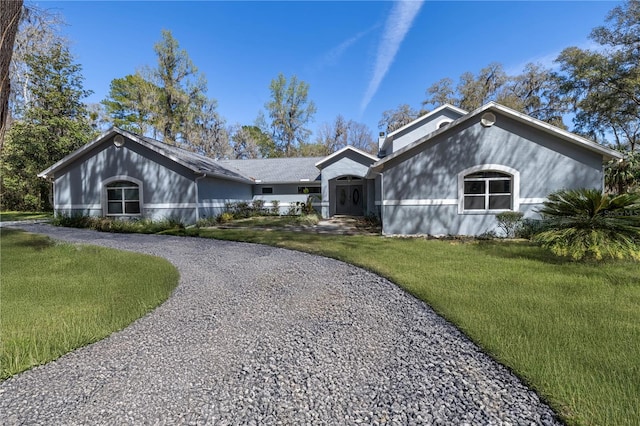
(448, 172)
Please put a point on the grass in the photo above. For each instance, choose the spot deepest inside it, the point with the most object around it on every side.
(570, 330)
(14, 216)
(58, 297)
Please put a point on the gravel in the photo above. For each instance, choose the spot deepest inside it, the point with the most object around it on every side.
(258, 335)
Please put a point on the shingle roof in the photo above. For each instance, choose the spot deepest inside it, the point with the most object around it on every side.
(276, 170)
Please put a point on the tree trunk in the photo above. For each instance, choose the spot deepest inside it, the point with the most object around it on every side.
(10, 11)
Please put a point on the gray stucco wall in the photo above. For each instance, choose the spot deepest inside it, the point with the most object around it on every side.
(167, 188)
(426, 179)
(214, 194)
(348, 164)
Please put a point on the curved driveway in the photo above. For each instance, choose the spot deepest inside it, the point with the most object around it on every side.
(260, 335)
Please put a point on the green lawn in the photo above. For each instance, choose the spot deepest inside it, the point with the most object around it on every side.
(58, 297)
(12, 216)
(570, 330)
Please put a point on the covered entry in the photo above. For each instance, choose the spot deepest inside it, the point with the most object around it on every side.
(349, 193)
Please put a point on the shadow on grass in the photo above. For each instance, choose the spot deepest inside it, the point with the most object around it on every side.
(18, 238)
(522, 250)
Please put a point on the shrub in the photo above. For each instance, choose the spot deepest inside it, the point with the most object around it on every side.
(529, 227)
(258, 207)
(509, 222)
(295, 209)
(585, 223)
(225, 217)
(275, 207)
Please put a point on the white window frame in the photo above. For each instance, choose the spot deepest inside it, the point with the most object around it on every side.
(105, 198)
(515, 190)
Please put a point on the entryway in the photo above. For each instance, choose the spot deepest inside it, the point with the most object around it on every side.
(349, 196)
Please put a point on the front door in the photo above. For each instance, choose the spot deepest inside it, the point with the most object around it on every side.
(349, 200)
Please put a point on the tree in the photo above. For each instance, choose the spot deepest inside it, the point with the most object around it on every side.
(393, 119)
(55, 123)
(246, 142)
(604, 85)
(130, 103)
(290, 111)
(335, 136)
(169, 102)
(534, 92)
(10, 13)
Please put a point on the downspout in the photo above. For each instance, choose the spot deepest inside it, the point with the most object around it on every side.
(204, 175)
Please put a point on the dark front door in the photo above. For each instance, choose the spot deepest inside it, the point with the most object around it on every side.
(349, 200)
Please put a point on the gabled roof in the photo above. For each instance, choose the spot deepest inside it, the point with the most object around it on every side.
(192, 161)
(607, 153)
(276, 170)
(341, 152)
(429, 115)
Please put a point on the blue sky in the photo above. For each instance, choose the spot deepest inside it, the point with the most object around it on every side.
(360, 58)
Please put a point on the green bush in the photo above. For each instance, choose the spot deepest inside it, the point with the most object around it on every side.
(275, 207)
(509, 222)
(225, 217)
(585, 223)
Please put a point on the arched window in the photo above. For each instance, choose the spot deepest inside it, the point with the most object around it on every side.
(488, 188)
(123, 198)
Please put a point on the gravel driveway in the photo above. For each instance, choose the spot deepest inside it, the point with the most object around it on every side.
(260, 335)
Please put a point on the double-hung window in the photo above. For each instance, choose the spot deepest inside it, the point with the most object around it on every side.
(488, 190)
(123, 199)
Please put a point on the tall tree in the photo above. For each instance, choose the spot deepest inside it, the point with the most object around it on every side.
(130, 103)
(393, 119)
(55, 123)
(335, 136)
(169, 102)
(604, 85)
(38, 33)
(535, 92)
(290, 111)
(245, 142)
(10, 12)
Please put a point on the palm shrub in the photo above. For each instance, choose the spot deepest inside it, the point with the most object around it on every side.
(584, 223)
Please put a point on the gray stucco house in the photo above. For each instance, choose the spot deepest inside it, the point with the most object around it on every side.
(446, 173)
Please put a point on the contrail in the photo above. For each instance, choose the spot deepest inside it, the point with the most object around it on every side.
(398, 24)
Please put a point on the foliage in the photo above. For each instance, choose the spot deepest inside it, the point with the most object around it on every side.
(290, 111)
(170, 102)
(530, 227)
(107, 224)
(246, 142)
(275, 207)
(509, 222)
(130, 103)
(623, 175)
(38, 33)
(394, 119)
(603, 85)
(54, 124)
(339, 134)
(225, 217)
(533, 92)
(60, 305)
(585, 223)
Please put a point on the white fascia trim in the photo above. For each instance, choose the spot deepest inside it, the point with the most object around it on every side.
(346, 148)
(427, 115)
(420, 202)
(515, 193)
(532, 200)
